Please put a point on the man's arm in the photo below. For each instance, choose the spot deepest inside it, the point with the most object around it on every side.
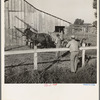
(25, 31)
(79, 44)
(56, 41)
(68, 45)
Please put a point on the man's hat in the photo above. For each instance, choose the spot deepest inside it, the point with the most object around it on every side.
(73, 37)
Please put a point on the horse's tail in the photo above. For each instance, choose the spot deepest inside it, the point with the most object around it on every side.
(50, 42)
(46, 39)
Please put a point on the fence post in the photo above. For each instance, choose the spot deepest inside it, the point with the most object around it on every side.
(83, 55)
(35, 58)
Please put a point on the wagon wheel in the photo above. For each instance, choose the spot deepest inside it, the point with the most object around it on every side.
(64, 43)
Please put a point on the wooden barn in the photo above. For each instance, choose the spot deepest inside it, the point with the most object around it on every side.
(19, 14)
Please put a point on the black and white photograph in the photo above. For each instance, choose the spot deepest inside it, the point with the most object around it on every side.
(50, 41)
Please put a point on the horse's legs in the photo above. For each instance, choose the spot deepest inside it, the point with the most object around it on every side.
(30, 44)
(47, 42)
(26, 42)
(33, 44)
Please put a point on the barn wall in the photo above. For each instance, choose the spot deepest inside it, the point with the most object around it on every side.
(19, 14)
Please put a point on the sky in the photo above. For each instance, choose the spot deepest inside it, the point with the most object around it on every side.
(67, 9)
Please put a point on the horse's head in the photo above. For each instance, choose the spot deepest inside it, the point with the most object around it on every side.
(25, 32)
(28, 33)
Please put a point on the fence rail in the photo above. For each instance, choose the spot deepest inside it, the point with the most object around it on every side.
(36, 51)
(45, 50)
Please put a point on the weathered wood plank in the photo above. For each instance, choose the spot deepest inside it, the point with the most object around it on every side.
(45, 50)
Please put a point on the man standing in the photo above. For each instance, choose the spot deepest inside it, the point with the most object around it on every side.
(58, 44)
(74, 50)
(27, 34)
(62, 37)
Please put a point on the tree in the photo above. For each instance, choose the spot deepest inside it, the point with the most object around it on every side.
(95, 7)
(79, 22)
(95, 24)
(95, 4)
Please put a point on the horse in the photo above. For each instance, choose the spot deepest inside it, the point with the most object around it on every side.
(40, 39)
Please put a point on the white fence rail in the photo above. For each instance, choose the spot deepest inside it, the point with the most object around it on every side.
(35, 51)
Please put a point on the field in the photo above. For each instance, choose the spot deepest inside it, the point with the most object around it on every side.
(19, 68)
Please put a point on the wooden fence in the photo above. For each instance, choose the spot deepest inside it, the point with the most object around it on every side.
(36, 51)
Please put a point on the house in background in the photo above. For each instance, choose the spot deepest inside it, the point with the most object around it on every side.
(85, 28)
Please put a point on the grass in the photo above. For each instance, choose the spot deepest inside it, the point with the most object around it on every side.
(56, 75)
(19, 69)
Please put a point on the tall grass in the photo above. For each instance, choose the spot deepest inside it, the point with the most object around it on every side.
(87, 74)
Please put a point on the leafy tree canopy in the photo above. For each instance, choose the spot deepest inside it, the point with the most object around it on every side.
(95, 24)
(95, 4)
(79, 22)
(95, 7)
